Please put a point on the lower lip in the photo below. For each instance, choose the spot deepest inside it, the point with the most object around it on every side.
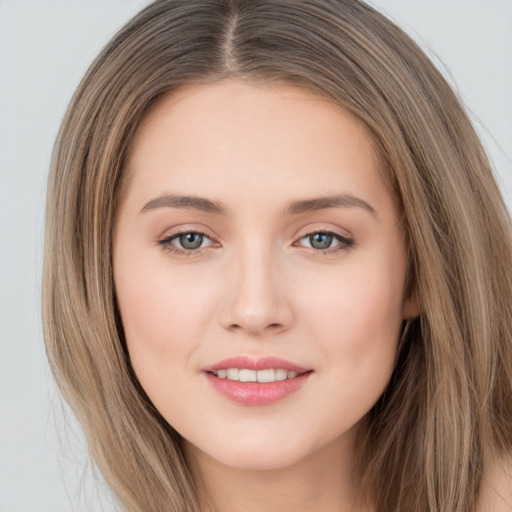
(257, 393)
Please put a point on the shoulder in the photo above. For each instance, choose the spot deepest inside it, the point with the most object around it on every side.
(496, 491)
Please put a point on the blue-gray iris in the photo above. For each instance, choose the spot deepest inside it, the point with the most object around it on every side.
(320, 240)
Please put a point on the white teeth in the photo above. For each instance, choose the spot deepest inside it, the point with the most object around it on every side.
(245, 375)
(232, 374)
(266, 375)
(281, 374)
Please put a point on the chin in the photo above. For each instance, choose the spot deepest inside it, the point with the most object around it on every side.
(253, 455)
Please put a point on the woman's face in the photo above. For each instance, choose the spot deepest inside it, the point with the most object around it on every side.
(256, 240)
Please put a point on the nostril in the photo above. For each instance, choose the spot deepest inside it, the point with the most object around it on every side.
(252, 328)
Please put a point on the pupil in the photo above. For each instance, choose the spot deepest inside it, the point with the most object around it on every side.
(191, 240)
(320, 240)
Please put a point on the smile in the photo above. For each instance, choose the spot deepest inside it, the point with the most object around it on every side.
(256, 382)
(246, 375)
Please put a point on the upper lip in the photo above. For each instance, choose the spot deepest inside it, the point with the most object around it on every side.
(256, 363)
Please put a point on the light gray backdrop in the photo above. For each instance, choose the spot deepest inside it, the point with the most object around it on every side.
(45, 47)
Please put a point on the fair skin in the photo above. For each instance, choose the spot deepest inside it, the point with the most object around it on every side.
(496, 490)
(226, 246)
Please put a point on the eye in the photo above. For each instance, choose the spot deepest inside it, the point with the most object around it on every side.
(326, 241)
(186, 242)
(320, 240)
(190, 241)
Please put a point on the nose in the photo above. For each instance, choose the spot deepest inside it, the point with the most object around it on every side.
(257, 299)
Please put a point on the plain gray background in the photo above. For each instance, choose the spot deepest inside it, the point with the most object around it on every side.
(45, 47)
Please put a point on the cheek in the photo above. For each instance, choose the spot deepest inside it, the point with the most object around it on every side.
(150, 311)
(164, 317)
(356, 331)
(164, 324)
(356, 322)
(360, 307)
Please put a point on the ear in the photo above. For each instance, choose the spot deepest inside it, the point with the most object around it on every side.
(411, 307)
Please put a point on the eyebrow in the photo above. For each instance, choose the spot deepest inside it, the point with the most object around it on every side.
(295, 208)
(322, 203)
(185, 202)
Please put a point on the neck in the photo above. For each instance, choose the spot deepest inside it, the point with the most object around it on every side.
(323, 481)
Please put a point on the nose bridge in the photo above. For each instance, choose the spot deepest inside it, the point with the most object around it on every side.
(257, 299)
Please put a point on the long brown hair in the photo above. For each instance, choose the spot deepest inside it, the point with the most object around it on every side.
(448, 408)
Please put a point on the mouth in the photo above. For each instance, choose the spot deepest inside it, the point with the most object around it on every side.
(256, 382)
(262, 376)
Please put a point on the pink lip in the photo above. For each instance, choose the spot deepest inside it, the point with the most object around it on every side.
(262, 363)
(256, 393)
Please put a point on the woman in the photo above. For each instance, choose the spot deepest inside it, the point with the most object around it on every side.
(277, 267)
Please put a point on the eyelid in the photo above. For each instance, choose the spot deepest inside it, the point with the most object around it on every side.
(345, 241)
(183, 228)
(165, 241)
(319, 227)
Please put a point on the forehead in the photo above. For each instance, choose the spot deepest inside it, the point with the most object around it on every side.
(251, 138)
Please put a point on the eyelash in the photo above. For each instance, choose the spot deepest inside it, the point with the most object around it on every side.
(344, 243)
(166, 243)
